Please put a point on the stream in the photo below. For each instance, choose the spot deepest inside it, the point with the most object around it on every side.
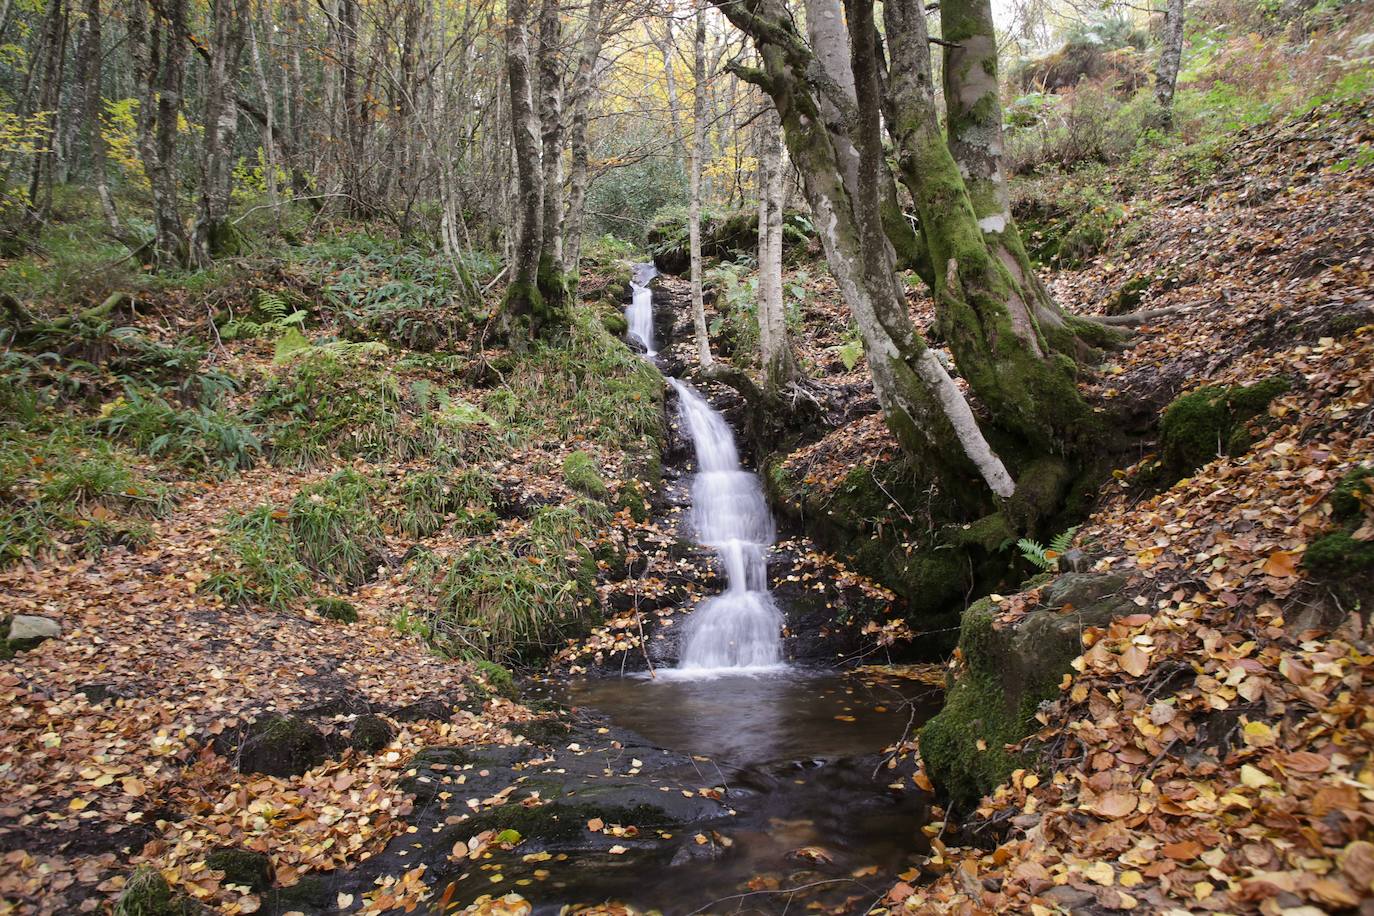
(813, 815)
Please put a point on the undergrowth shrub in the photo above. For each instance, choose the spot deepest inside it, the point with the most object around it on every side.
(260, 563)
(590, 385)
(421, 503)
(515, 605)
(67, 489)
(345, 400)
(197, 438)
(334, 529)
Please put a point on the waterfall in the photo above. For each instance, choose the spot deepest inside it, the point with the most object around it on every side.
(639, 314)
(741, 627)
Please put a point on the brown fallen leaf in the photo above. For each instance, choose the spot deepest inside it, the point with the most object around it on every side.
(1114, 804)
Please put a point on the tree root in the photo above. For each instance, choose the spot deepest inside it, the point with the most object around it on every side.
(1134, 319)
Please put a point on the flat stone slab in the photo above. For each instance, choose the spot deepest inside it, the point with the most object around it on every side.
(27, 631)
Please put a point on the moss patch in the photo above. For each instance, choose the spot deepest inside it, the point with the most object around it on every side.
(1212, 421)
(582, 475)
(147, 893)
(336, 609)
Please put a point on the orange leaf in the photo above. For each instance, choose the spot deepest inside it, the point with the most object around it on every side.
(1114, 804)
(1183, 850)
(1281, 565)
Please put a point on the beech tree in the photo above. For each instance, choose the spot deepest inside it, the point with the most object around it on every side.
(775, 350)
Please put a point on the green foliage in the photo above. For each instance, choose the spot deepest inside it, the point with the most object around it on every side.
(496, 677)
(624, 200)
(1046, 558)
(505, 604)
(589, 385)
(737, 306)
(272, 318)
(65, 487)
(335, 609)
(334, 529)
(198, 438)
(345, 400)
(261, 566)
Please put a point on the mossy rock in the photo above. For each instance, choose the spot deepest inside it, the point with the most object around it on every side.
(1343, 562)
(496, 678)
(335, 609)
(282, 746)
(1200, 425)
(243, 867)
(561, 821)
(370, 734)
(147, 893)
(615, 323)
(630, 497)
(1129, 295)
(1010, 670)
(582, 475)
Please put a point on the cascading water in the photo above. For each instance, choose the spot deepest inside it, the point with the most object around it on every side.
(739, 629)
(639, 314)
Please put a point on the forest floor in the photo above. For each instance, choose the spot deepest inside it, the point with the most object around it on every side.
(1211, 754)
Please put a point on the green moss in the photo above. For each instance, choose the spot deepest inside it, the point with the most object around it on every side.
(1346, 497)
(631, 497)
(1201, 424)
(560, 821)
(496, 677)
(147, 893)
(242, 867)
(582, 475)
(615, 323)
(336, 609)
(1339, 554)
(974, 711)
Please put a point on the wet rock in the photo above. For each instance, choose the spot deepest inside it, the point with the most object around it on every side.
(27, 631)
(243, 867)
(429, 708)
(281, 746)
(1081, 589)
(147, 893)
(96, 694)
(370, 734)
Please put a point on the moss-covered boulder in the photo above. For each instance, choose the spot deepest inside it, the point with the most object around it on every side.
(147, 893)
(582, 475)
(370, 734)
(1202, 424)
(242, 867)
(630, 497)
(1009, 670)
(1343, 557)
(281, 746)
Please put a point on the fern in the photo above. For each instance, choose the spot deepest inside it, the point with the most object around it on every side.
(1047, 558)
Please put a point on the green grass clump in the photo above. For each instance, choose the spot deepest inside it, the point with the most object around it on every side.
(263, 567)
(197, 438)
(334, 529)
(64, 487)
(514, 602)
(423, 502)
(582, 475)
(589, 385)
(343, 400)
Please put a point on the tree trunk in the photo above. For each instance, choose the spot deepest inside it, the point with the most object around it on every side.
(1170, 55)
(665, 50)
(694, 185)
(213, 233)
(269, 126)
(159, 50)
(523, 310)
(577, 136)
(921, 404)
(984, 313)
(779, 363)
(553, 281)
(94, 103)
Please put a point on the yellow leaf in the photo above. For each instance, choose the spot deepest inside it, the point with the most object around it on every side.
(1131, 878)
(1254, 777)
(1134, 662)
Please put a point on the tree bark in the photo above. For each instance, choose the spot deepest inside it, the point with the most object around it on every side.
(159, 50)
(269, 126)
(523, 309)
(694, 185)
(553, 283)
(985, 314)
(921, 404)
(779, 363)
(94, 127)
(212, 235)
(1170, 56)
(577, 136)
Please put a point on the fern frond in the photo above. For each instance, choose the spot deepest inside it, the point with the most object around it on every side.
(1034, 552)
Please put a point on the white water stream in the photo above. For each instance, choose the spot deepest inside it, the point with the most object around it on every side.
(738, 631)
(741, 628)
